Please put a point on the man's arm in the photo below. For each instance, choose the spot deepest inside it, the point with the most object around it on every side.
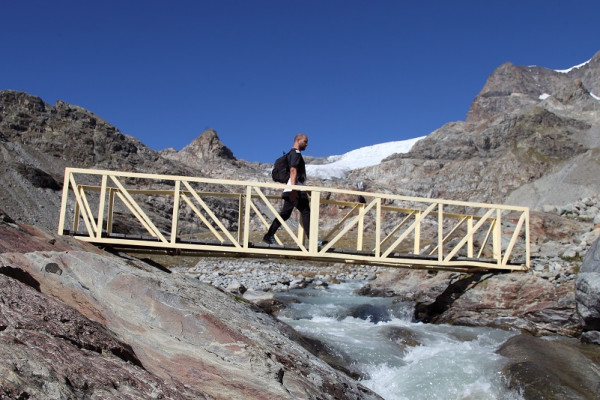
(293, 181)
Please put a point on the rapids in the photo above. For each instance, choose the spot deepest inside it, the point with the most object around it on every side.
(397, 358)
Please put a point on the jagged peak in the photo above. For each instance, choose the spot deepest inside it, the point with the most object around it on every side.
(208, 146)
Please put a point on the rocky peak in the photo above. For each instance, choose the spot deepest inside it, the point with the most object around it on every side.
(513, 88)
(208, 146)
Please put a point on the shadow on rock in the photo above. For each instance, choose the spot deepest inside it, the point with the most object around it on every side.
(429, 312)
(21, 276)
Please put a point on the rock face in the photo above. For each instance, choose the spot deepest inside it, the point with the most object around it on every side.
(92, 324)
(587, 290)
(50, 350)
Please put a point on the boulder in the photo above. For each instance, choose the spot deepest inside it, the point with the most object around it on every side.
(542, 368)
(531, 301)
(517, 300)
(371, 312)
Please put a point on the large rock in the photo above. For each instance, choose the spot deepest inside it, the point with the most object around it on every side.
(49, 350)
(517, 300)
(175, 331)
(587, 293)
(552, 369)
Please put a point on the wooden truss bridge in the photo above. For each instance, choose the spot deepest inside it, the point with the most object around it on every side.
(195, 216)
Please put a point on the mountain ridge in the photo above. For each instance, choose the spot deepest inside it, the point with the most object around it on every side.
(527, 122)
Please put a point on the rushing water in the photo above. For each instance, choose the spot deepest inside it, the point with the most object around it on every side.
(398, 358)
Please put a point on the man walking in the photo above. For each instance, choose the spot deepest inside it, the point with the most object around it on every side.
(293, 198)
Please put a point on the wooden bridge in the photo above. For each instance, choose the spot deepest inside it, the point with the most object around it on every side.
(188, 215)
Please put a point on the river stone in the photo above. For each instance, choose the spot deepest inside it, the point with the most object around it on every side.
(370, 312)
(587, 289)
(401, 336)
(552, 369)
(591, 337)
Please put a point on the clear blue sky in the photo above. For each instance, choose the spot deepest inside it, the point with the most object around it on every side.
(349, 73)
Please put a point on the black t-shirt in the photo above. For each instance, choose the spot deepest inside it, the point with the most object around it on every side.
(295, 160)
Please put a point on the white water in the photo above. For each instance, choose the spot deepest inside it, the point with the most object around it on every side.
(439, 361)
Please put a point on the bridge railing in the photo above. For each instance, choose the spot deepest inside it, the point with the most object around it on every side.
(190, 214)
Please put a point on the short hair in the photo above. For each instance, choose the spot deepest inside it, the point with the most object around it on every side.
(299, 136)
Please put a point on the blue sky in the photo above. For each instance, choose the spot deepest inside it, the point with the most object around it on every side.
(348, 73)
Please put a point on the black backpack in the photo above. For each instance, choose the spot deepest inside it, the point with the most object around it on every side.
(281, 169)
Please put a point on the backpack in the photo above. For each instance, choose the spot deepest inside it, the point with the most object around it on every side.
(281, 169)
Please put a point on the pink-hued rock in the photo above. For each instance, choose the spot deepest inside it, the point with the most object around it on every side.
(176, 333)
(518, 300)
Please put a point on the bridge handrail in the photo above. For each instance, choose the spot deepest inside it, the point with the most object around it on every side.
(253, 191)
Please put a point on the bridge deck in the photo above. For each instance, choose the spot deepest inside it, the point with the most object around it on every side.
(184, 215)
(209, 248)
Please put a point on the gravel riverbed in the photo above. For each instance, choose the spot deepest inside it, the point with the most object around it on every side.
(238, 276)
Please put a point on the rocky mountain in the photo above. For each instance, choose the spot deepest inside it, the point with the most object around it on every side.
(528, 132)
(38, 140)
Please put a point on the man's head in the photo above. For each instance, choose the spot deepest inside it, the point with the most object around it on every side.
(300, 141)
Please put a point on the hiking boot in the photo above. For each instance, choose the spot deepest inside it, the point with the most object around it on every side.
(322, 242)
(268, 239)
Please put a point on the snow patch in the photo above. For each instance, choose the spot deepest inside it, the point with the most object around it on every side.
(340, 165)
(566, 71)
(544, 96)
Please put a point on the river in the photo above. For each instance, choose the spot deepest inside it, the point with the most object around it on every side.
(397, 358)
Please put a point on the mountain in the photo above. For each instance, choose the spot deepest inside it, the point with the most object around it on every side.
(529, 132)
(38, 140)
(531, 137)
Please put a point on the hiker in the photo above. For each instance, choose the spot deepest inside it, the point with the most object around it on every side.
(293, 198)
